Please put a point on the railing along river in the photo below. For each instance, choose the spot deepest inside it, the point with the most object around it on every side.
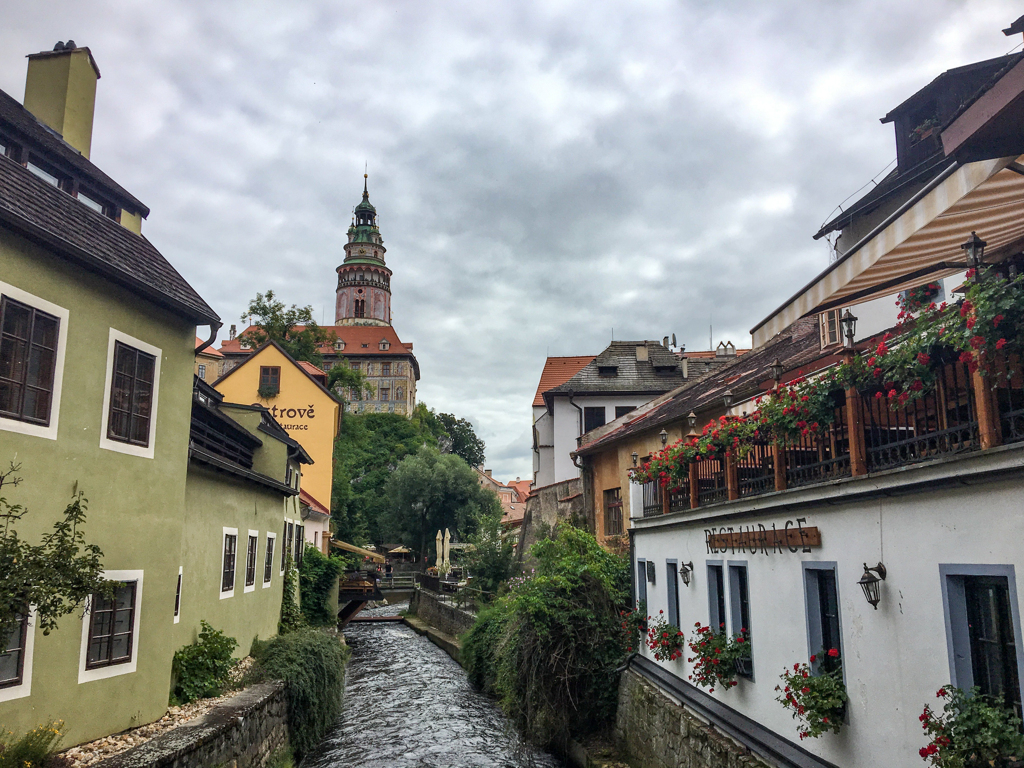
(409, 705)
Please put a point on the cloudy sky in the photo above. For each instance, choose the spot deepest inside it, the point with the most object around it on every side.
(544, 171)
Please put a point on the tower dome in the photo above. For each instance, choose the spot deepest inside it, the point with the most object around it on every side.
(364, 281)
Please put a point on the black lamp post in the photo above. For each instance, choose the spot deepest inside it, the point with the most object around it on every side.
(975, 250)
(664, 436)
(870, 582)
(849, 323)
(691, 419)
(727, 398)
(635, 457)
(777, 369)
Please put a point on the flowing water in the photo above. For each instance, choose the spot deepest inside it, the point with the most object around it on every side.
(409, 705)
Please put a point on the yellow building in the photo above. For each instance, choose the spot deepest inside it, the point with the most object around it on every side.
(295, 395)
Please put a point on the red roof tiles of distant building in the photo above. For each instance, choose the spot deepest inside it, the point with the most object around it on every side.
(209, 350)
(557, 371)
(358, 339)
(309, 501)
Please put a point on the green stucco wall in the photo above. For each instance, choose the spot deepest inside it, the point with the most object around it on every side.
(214, 501)
(136, 505)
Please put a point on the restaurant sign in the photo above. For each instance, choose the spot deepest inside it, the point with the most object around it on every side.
(758, 539)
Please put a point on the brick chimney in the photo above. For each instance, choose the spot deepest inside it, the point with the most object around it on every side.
(60, 90)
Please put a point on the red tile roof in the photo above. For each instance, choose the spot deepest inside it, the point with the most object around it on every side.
(522, 487)
(209, 350)
(558, 370)
(354, 336)
(310, 368)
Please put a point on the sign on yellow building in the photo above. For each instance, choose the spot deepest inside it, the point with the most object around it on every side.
(300, 403)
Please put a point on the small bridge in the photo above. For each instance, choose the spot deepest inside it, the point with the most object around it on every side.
(354, 592)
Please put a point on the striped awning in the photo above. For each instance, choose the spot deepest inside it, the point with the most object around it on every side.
(908, 248)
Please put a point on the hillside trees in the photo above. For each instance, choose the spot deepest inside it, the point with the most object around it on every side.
(465, 443)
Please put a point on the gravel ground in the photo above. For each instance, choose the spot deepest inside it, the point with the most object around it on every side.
(89, 754)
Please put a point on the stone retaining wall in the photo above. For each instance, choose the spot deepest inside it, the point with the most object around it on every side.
(428, 607)
(243, 732)
(658, 732)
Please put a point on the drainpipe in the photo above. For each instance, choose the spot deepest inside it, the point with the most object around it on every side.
(214, 327)
(579, 424)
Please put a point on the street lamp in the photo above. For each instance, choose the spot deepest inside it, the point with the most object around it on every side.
(727, 398)
(869, 582)
(849, 323)
(975, 249)
(777, 369)
(664, 437)
(691, 419)
(635, 457)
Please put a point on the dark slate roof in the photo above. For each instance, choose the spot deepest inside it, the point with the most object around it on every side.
(52, 218)
(22, 126)
(631, 375)
(797, 346)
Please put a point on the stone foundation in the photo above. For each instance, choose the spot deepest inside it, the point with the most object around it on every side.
(657, 732)
(428, 607)
(243, 732)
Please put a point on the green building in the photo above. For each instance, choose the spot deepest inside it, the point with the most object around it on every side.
(97, 395)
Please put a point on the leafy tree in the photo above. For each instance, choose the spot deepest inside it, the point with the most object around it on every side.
(56, 575)
(292, 327)
(318, 576)
(492, 560)
(432, 491)
(342, 380)
(465, 443)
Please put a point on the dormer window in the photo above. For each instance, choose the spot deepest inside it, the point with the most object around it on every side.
(384, 345)
(607, 371)
(43, 174)
(829, 327)
(338, 345)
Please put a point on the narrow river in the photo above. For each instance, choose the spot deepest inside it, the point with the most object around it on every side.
(409, 705)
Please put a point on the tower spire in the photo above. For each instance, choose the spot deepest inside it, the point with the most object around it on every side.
(366, 194)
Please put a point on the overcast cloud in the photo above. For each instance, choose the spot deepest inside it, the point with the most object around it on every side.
(544, 171)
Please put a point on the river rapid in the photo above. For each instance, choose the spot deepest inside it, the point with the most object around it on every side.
(409, 705)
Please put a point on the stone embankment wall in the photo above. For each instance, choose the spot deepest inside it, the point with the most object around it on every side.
(657, 732)
(547, 506)
(427, 607)
(243, 732)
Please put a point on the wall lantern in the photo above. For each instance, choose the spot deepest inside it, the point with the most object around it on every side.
(975, 249)
(777, 369)
(727, 398)
(869, 583)
(849, 323)
(686, 572)
(691, 419)
(635, 457)
(664, 436)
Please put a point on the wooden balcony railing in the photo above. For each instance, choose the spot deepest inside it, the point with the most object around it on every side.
(964, 412)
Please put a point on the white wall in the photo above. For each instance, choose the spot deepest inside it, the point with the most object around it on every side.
(567, 426)
(896, 657)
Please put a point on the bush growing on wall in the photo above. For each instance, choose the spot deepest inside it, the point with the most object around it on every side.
(33, 750)
(549, 648)
(201, 668)
(318, 577)
(312, 664)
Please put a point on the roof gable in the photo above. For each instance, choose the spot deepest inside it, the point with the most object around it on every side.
(558, 370)
(272, 352)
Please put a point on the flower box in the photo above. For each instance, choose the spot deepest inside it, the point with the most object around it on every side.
(745, 667)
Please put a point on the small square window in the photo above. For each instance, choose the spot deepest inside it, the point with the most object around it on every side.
(385, 394)
(593, 417)
(270, 379)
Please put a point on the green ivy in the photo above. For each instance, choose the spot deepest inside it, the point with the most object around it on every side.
(201, 668)
(291, 615)
(318, 578)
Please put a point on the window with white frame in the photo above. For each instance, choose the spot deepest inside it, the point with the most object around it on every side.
(110, 629)
(250, 560)
(641, 581)
(130, 395)
(202, 371)
(16, 659)
(268, 560)
(33, 335)
(227, 579)
(828, 325)
(177, 598)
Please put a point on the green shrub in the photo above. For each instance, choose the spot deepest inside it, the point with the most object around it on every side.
(318, 578)
(291, 615)
(549, 648)
(200, 669)
(281, 758)
(312, 664)
(33, 750)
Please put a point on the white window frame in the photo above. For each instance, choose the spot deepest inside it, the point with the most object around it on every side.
(224, 595)
(256, 561)
(146, 451)
(101, 673)
(179, 593)
(24, 688)
(267, 582)
(37, 430)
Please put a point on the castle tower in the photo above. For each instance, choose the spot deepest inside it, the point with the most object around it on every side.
(364, 282)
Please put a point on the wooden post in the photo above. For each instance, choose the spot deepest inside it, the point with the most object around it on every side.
(855, 429)
(694, 487)
(732, 480)
(666, 494)
(988, 411)
(779, 462)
